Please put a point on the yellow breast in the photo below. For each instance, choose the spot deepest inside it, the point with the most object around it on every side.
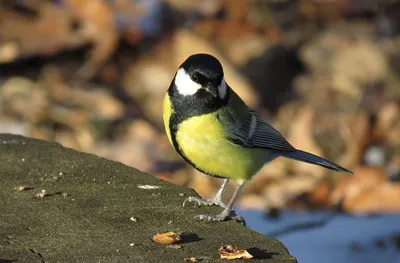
(203, 141)
(167, 112)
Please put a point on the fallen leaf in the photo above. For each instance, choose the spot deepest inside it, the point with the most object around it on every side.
(229, 252)
(97, 24)
(167, 238)
(279, 193)
(301, 136)
(253, 201)
(367, 191)
(387, 119)
(356, 137)
(363, 180)
(320, 194)
(360, 63)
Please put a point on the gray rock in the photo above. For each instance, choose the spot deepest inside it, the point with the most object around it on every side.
(86, 214)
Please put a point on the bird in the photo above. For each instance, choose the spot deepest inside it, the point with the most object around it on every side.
(214, 131)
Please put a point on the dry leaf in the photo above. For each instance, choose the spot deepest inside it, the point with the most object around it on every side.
(360, 62)
(363, 180)
(279, 193)
(167, 238)
(190, 259)
(98, 25)
(253, 201)
(356, 136)
(367, 191)
(229, 252)
(301, 136)
(320, 194)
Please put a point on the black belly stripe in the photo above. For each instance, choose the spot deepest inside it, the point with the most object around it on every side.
(185, 107)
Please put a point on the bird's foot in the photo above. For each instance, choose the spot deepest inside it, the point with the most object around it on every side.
(224, 215)
(199, 201)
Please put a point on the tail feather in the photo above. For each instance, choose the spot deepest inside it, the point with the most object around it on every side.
(313, 159)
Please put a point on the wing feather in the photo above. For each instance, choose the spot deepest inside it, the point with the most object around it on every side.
(256, 133)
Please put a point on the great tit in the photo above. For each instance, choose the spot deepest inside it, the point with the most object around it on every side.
(212, 129)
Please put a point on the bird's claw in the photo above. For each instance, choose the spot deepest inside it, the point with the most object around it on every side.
(220, 217)
(199, 201)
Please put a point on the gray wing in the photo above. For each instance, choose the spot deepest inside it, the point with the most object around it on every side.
(255, 132)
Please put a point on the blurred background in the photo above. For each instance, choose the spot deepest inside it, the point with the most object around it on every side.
(92, 74)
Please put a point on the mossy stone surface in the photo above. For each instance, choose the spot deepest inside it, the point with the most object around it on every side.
(92, 222)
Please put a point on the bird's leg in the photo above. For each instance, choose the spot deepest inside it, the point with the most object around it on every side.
(228, 212)
(216, 200)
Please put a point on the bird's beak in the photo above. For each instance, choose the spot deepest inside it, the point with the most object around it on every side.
(212, 89)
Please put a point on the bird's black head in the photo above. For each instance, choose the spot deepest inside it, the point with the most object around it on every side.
(201, 75)
(204, 68)
(198, 88)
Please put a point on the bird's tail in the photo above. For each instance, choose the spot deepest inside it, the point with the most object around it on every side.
(313, 159)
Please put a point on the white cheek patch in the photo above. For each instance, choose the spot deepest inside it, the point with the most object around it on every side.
(222, 89)
(184, 84)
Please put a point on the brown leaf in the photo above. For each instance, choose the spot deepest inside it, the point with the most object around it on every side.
(167, 238)
(356, 136)
(301, 136)
(286, 189)
(387, 119)
(98, 25)
(229, 252)
(320, 194)
(367, 191)
(253, 201)
(364, 179)
(360, 62)
(47, 34)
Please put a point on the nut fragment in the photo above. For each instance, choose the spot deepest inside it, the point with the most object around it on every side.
(20, 188)
(41, 195)
(167, 238)
(190, 259)
(229, 252)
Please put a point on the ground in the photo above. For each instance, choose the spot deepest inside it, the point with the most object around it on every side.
(87, 214)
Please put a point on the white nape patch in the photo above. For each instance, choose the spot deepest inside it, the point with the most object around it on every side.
(184, 84)
(222, 89)
(252, 127)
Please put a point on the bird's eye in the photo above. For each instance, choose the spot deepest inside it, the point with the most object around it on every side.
(193, 76)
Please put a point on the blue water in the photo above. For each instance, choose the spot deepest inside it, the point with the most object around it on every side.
(315, 237)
